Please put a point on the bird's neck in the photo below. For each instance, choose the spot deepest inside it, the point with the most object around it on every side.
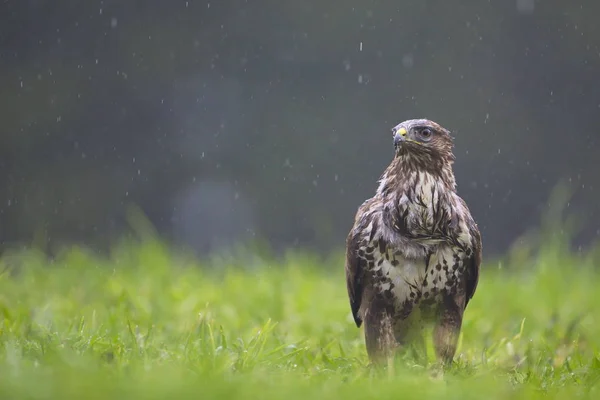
(406, 172)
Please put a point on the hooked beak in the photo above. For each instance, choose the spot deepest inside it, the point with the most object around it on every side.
(400, 136)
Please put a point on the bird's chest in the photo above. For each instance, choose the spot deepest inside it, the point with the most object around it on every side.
(407, 281)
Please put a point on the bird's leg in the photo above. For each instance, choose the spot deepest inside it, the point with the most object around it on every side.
(447, 327)
(379, 332)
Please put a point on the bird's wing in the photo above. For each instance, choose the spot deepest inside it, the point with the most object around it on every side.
(473, 262)
(355, 267)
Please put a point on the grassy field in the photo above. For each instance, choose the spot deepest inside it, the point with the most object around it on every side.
(148, 323)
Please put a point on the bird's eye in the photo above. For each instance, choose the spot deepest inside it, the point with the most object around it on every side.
(426, 133)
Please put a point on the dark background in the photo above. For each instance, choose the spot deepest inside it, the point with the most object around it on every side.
(236, 120)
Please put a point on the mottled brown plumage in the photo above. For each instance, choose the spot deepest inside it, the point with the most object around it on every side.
(413, 254)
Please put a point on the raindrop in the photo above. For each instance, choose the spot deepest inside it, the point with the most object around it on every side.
(113, 22)
(360, 78)
(360, 47)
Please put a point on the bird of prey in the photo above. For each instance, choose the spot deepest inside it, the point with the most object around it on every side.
(414, 252)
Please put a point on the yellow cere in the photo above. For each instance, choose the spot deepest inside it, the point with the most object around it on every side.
(402, 131)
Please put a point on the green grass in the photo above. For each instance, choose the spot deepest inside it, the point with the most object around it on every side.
(147, 323)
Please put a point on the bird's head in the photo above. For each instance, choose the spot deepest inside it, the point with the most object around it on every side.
(423, 141)
(421, 145)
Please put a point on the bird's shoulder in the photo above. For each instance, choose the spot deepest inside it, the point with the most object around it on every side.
(462, 222)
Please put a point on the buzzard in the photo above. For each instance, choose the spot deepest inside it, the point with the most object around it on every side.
(414, 251)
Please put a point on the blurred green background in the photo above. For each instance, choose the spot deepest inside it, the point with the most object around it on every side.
(141, 127)
(228, 121)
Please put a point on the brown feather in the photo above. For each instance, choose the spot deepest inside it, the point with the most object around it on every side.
(354, 272)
